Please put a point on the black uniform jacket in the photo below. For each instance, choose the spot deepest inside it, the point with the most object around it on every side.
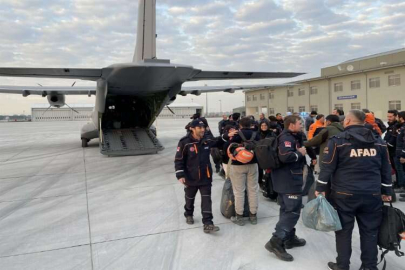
(192, 160)
(391, 137)
(400, 147)
(288, 179)
(358, 163)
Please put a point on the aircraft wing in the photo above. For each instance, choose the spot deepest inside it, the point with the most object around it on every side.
(197, 90)
(231, 75)
(62, 73)
(44, 90)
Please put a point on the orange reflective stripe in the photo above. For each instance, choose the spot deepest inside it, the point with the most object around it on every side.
(208, 172)
(195, 148)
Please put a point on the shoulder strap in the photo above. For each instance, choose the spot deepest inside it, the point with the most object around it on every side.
(253, 136)
(242, 136)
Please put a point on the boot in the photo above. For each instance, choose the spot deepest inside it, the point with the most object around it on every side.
(333, 266)
(209, 228)
(238, 220)
(253, 218)
(276, 246)
(189, 220)
(293, 241)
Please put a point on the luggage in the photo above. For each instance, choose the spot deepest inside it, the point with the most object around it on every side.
(319, 215)
(389, 235)
(227, 206)
(216, 155)
(268, 184)
(266, 152)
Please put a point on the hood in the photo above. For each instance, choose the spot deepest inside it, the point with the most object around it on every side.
(338, 126)
(361, 134)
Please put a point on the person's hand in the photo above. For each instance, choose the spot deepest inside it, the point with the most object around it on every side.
(386, 198)
(303, 151)
(182, 181)
(317, 193)
(232, 133)
(402, 160)
(313, 162)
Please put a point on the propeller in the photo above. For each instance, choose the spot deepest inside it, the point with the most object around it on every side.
(170, 109)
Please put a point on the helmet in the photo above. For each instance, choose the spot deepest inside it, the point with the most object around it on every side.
(239, 153)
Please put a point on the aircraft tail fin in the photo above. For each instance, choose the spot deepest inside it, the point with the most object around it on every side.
(146, 34)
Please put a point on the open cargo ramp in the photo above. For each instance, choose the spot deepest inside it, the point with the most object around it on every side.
(129, 142)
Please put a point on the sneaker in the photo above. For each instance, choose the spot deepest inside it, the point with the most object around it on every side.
(333, 266)
(238, 220)
(209, 228)
(294, 242)
(276, 246)
(189, 220)
(253, 218)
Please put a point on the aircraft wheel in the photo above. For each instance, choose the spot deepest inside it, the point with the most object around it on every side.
(85, 143)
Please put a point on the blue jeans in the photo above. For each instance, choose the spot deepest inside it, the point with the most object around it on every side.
(400, 172)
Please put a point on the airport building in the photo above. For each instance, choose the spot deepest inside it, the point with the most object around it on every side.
(181, 111)
(375, 82)
(41, 113)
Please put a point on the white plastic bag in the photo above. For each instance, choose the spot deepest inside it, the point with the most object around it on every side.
(319, 215)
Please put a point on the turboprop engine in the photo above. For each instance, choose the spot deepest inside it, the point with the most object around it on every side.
(56, 100)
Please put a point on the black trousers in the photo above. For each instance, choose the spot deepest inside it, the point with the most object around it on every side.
(290, 211)
(367, 210)
(206, 203)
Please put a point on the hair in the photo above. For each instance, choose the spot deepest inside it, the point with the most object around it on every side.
(235, 116)
(272, 118)
(278, 114)
(359, 115)
(401, 115)
(394, 112)
(265, 123)
(314, 112)
(332, 118)
(366, 110)
(319, 116)
(291, 119)
(245, 122)
(228, 127)
(340, 112)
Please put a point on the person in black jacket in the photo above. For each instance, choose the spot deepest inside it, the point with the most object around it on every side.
(193, 170)
(244, 176)
(358, 163)
(391, 136)
(399, 150)
(274, 125)
(288, 181)
(280, 120)
(221, 124)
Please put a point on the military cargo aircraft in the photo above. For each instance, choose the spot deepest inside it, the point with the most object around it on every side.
(129, 96)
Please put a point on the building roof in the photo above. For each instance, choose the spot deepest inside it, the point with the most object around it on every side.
(75, 106)
(185, 105)
(374, 55)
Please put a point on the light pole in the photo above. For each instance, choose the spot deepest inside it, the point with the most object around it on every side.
(220, 107)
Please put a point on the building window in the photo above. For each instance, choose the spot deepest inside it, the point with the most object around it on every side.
(339, 107)
(290, 109)
(271, 95)
(356, 106)
(394, 80)
(254, 98)
(314, 108)
(394, 105)
(248, 98)
(271, 111)
(374, 82)
(355, 85)
(314, 90)
(262, 96)
(301, 109)
(338, 87)
(257, 110)
(290, 93)
(301, 92)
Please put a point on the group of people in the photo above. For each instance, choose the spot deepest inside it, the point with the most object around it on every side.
(355, 166)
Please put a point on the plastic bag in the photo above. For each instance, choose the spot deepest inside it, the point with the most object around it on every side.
(319, 215)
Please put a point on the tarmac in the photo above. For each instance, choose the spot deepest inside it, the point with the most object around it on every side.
(65, 207)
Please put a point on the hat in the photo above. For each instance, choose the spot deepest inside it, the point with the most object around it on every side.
(197, 123)
(195, 116)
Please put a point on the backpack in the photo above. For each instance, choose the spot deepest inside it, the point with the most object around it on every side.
(227, 206)
(243, 152)
(216, 155)
(248, 144)
(266, 152)
(389, 236)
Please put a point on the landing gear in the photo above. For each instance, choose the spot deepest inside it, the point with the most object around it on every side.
(85, 143)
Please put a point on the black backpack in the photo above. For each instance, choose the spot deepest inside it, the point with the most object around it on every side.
(216, 155)
(248, 144)
(392, 225)
(266, 152)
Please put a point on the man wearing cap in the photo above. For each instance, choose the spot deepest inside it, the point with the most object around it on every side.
(193, 170)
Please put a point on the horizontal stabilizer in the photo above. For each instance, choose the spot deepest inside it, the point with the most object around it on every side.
(230, 75)
(63, 73)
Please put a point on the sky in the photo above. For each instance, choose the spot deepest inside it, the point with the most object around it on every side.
(233, 35)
